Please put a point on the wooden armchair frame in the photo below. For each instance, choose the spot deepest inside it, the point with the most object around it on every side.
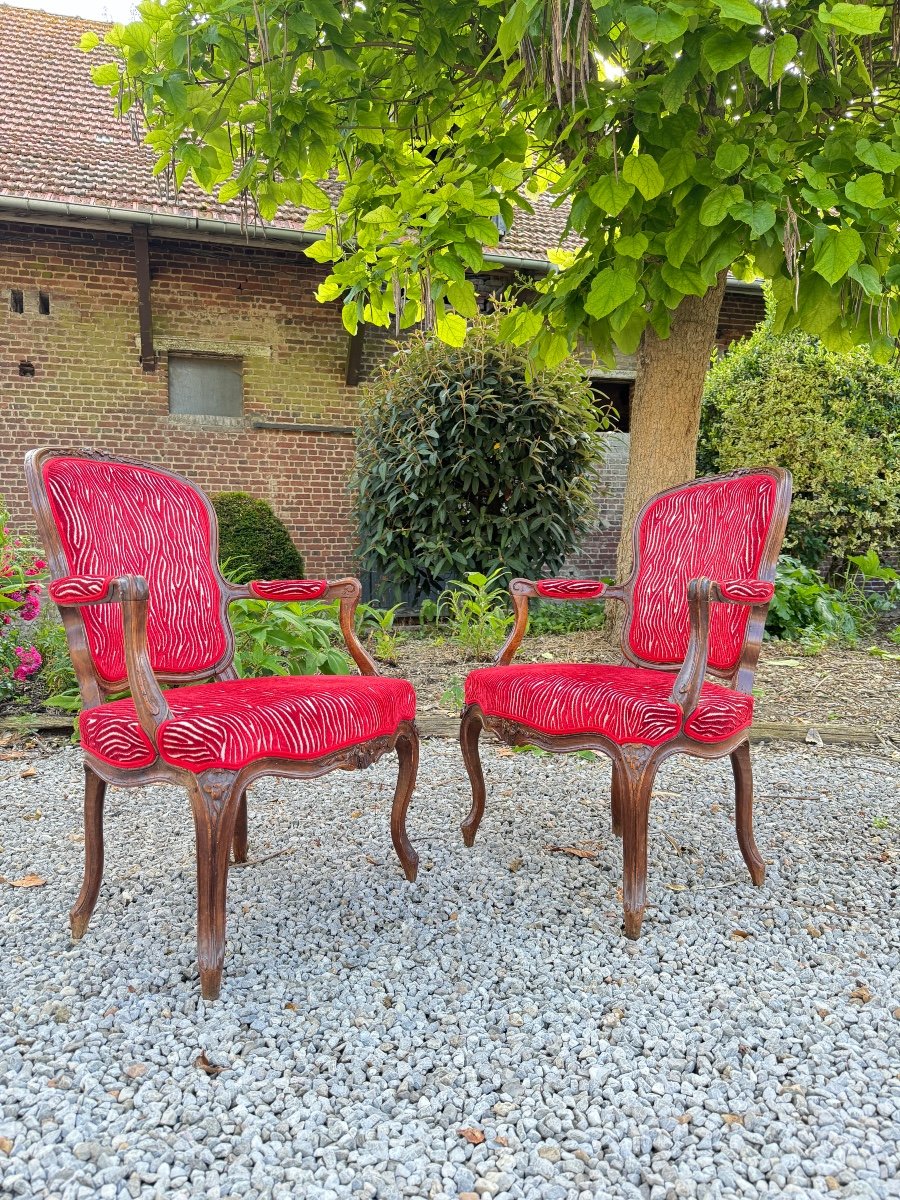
(218, 797)
(634, 766)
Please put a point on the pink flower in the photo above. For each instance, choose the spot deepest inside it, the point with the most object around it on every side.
(29, 662)
(40, 565)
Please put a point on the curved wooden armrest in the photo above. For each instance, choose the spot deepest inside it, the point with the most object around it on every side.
(347, 591)
(701, 593)
(522, 590)
(132, 594)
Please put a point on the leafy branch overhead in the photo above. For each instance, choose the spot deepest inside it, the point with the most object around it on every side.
(688, 136)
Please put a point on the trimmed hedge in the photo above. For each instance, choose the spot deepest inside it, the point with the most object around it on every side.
(831, 418)
(253, 542)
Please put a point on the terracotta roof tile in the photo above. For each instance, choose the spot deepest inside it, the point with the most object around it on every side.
(61, 141)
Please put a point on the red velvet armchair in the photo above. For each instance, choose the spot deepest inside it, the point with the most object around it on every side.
(132, 553)
(704, 562)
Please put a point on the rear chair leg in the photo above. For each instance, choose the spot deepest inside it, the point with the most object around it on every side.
(469, 733)
(214, 802)
(616, 801)
(408, 754)
(240, 830)
(94, 794)
(743, 813)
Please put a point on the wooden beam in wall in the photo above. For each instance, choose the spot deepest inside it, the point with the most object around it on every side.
(354, 358)
(145, 308)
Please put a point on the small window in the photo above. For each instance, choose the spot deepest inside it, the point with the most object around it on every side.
(16, 301)
(613, 397)
(204, 385)
(44, 304)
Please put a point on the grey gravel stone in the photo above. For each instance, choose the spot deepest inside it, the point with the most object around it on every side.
(746, 1047)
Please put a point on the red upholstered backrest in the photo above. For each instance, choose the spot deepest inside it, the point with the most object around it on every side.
(714, 529)
(120, 519)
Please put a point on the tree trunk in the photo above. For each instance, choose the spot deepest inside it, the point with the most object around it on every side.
(665, 409)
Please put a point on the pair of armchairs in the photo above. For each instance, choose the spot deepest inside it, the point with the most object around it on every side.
(133, 558)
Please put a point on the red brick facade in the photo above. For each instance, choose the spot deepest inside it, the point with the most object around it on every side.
(88, 388)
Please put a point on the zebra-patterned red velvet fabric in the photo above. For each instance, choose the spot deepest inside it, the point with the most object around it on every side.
(118, 519)
(747, 591)
(289, 589)
(235, 723)
(715, 530)
(80, 589)
(626, 704)
(570, 589)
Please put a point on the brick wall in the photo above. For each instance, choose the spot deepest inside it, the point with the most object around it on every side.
(88, 388)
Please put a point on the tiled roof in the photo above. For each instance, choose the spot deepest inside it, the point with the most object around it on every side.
(60, 140)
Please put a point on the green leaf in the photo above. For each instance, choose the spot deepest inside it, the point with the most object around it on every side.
(757, 214)
(609, 289)
(105, 75)
(641, 22)
(726, 49)
(867, 191)
(837, 252)
(852, 18)
(611, 194)
(513, 29)
(324, 12)
(642, 171)
(89, 41)
(740, 10)
(450, 327)
(350, 318)
(462, 297)
(319, 250)
(878, 155)
(769, 60)
(867, 277)
(718, 203)
(676, 166)
(686, 280)
(731, 156)
(632, 245)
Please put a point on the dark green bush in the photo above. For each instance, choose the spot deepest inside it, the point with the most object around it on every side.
(833, 419)
(465, 459)
(253, 541)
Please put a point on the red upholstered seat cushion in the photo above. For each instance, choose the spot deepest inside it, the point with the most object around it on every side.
(234, 723)
(625, 704)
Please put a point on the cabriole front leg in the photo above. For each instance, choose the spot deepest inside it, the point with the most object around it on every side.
(215, 798)
(637, 772)
(94, 795)
(743, 813)
(408, 754)
(469, 733)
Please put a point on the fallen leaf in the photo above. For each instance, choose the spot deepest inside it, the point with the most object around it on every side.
(813, 931)
(714, 808)
(831, 1183)
(26, 881)
(516, 864)
(111, 1011)
(501, 1141)
(205, 1065)
(667, 795)
(469, 1196)
(861, 993)
(10, 754)
(355, 815)
(823, 1012)
(387, 1001)
(896, 1014)
(504, 751)
(473, 1136)
(6, 1144)
(291, 1007)
(684, 1119)
(677, 887)
(740, 934)
(453, 917)
(732, 1118)
(375, 862)
(575, 851)
(136, 1070)
(27, 773)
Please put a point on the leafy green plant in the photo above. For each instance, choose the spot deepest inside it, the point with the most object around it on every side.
(453, 696)
(466, 454)
(377, 625)
(476, 610)
(287, 639)
(549, 616)
(253, 540)
(832, 418)
(809, 610)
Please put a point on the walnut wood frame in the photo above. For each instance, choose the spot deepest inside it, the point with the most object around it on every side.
(218, 797)
(634, 766)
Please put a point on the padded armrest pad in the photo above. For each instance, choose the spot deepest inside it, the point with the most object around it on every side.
(746, 591)
(81, 589)
(289, 589)
(570, 589)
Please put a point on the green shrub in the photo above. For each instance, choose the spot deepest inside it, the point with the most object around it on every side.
(555, 616)
(807, 609)
(833, 419)
(253, 541)
(477, 611)
(465, 457)
(287, 639)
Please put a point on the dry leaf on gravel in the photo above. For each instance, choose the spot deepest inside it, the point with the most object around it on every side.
(732, 1118)
(6, 1145)
(27, 773)
(861, 994)
(205, 1065)
(473, 1136)
(575, 851)
(25, 882)
(136, 1070)
(740, 934)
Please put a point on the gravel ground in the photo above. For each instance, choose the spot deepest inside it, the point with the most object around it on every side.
(748, 1046)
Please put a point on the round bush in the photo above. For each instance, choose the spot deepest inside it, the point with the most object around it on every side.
(253, 542)
(466, 461)
(831, 418)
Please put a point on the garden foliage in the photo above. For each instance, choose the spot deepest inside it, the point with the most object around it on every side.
(20, 569)
(252, 536)
(833, 419)
(466, 456)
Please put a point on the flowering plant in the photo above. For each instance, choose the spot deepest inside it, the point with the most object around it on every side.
(20, 570)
